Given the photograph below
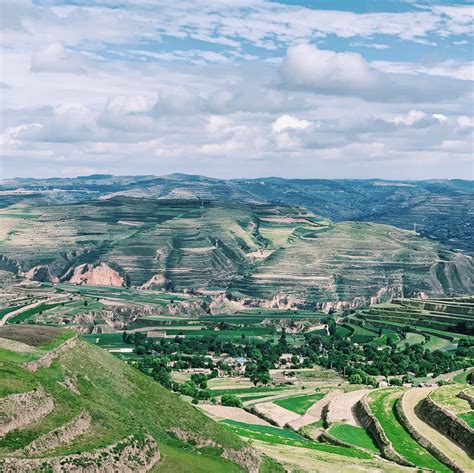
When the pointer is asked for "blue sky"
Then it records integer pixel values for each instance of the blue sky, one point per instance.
(237, 88)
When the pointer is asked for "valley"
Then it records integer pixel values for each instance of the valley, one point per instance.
(229, 334)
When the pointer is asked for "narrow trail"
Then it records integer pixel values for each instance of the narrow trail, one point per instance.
(409, 401)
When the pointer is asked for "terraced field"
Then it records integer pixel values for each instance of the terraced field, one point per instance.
(382, 405)
(354, 435)
(299, 404)
(440, 322)
(260, 251)
(448, 397)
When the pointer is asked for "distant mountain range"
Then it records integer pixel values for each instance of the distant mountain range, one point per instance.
(442, 210)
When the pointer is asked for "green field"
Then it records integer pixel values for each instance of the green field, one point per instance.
(299, 404)
(275, 435)
(28, 313)
(382, 404)
(353, 435)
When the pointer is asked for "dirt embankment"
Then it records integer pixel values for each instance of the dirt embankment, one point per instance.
(248, 458)
(19, 410)
(46, 360)
(371, 423)
(448, 424)
(131, 455)
(60, 436)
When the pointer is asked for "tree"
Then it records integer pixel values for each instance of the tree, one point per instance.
(231, 400)
(355, 378)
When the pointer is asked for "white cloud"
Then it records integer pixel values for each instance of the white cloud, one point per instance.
(412, 117)
(465, 121)
(56, 58)
(324, 71)
(12, 135)
(288, 122)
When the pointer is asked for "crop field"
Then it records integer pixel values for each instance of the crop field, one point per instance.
(382, 404)
(446, 319)
(299, 404)
(447, 397)
(354, 435)
(274, 435)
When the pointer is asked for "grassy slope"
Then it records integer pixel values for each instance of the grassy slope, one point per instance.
(382, 404)
(121, 401)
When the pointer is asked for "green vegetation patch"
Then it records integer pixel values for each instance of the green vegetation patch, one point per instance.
(277, 438)
(353, 435)
(382, 405)
(299, 404)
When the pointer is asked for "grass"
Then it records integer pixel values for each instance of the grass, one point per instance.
(299, 404)
(266, 429)
(462, 377)
(353, 435)
(382, 404)
(468, 417)
(275, 437)
(30, 312)
(121, 401)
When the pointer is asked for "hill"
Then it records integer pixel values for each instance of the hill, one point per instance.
(271, 254)
(66, 404)
(441, 209)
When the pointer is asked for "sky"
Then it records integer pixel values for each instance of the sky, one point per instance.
(237, 88)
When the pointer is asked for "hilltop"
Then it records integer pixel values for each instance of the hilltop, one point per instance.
(263, 254)
(65, 402)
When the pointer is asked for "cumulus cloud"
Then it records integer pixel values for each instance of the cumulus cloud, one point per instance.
(56, 58)
(324, 71)
(288, 122)
(412, 117)
(12, 135)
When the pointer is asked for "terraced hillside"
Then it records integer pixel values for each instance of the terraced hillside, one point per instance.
(441, 209)
(66, 404)
(284, 255)
(439, 321)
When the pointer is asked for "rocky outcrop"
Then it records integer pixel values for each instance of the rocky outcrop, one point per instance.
(448, 424)
(134, 454)
(248, 458)
(158, 281)
(371, 423)
(40, 273)
(46, 360)
(60, 436)
(19, 410)
(100, 275)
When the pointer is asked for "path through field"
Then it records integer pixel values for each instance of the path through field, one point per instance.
(409, 401)
(232, 413)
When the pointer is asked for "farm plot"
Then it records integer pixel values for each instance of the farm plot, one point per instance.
(409, 401)
(299, 404)
(275, 436)
(341, 407)
(232, 413)
(447, 397)
(354, 435)
(382, 405)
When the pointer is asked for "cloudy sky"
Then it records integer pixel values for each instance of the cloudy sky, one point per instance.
(237, 88)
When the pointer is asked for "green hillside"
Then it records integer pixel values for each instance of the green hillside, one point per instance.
(83, 407)
(254, 250)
